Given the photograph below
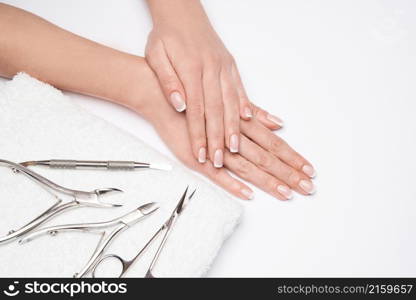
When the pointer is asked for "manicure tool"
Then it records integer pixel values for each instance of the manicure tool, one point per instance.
(121, 224)
(167, 227)
(79, 199)
(96, 164)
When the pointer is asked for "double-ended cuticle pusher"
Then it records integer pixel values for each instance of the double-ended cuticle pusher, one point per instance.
(96, 164)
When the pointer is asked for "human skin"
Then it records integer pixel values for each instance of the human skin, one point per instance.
(31, 44)
(197, 73)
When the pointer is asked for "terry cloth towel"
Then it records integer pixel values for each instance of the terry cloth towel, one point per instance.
(38, 122)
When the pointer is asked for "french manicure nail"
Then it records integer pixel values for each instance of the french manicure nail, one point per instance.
(218, 159)
(309, 170)
(247, 193)
(307, 186)
(234, 143)
(275, 120)
(285, 191)
(202, 155)
(248, 112)
(177, 101)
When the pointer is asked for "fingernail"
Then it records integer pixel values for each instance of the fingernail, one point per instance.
(275, 120)
(309, 170)
(234, 143)
(248, 194)
(218, 159)
(285, 191)
(177, 101)
(202, 155)
(307, 186)
(248, 112)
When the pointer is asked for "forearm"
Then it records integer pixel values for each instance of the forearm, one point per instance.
(33, 45)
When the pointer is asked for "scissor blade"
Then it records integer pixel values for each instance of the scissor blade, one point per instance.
(168, 227)
(184, 203)
(107, 191)
(189, 198)
(148, 208)
(181, 202)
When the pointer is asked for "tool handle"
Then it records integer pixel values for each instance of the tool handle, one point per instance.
(91, 164)
(62, 164)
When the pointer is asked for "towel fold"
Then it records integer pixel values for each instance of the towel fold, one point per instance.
(38, 122)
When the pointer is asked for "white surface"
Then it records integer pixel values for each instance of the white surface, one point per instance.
(341, 74)
(61, 129)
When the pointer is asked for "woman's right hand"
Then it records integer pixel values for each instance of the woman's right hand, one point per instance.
(198, 74)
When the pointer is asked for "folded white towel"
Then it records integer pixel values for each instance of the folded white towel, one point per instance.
(38, 122)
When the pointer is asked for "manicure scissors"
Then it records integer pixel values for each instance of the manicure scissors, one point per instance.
(78, 199)
(166, 227)
(120, 224)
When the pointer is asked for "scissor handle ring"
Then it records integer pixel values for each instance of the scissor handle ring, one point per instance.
(107, 257)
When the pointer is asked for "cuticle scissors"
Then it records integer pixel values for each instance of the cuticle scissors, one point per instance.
(167, 227)
(120, 223)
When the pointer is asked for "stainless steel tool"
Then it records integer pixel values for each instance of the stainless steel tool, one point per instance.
(96, 164)
(120, 224)
(78, 199)
(166, 228)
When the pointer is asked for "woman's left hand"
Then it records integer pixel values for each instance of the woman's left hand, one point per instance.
(265, 159)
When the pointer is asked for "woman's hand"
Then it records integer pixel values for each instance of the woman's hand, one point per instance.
(276, 169)
(197, 73)
(70, 62)
(264, 159)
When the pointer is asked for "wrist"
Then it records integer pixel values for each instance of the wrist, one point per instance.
(176, 12)
(139, 89)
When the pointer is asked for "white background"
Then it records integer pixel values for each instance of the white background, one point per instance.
(342, 75)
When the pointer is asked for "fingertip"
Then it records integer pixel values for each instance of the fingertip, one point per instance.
(240, 190)
(307, 186)
(275, 120)
(219, 158)
(234, 143)
(202, 155)
(177, 101)
(262, 118)
(246, 194)
(199, 150)
(246, 113)
(269, 121)
(269, 125)
(309, 170)
(284, 192)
